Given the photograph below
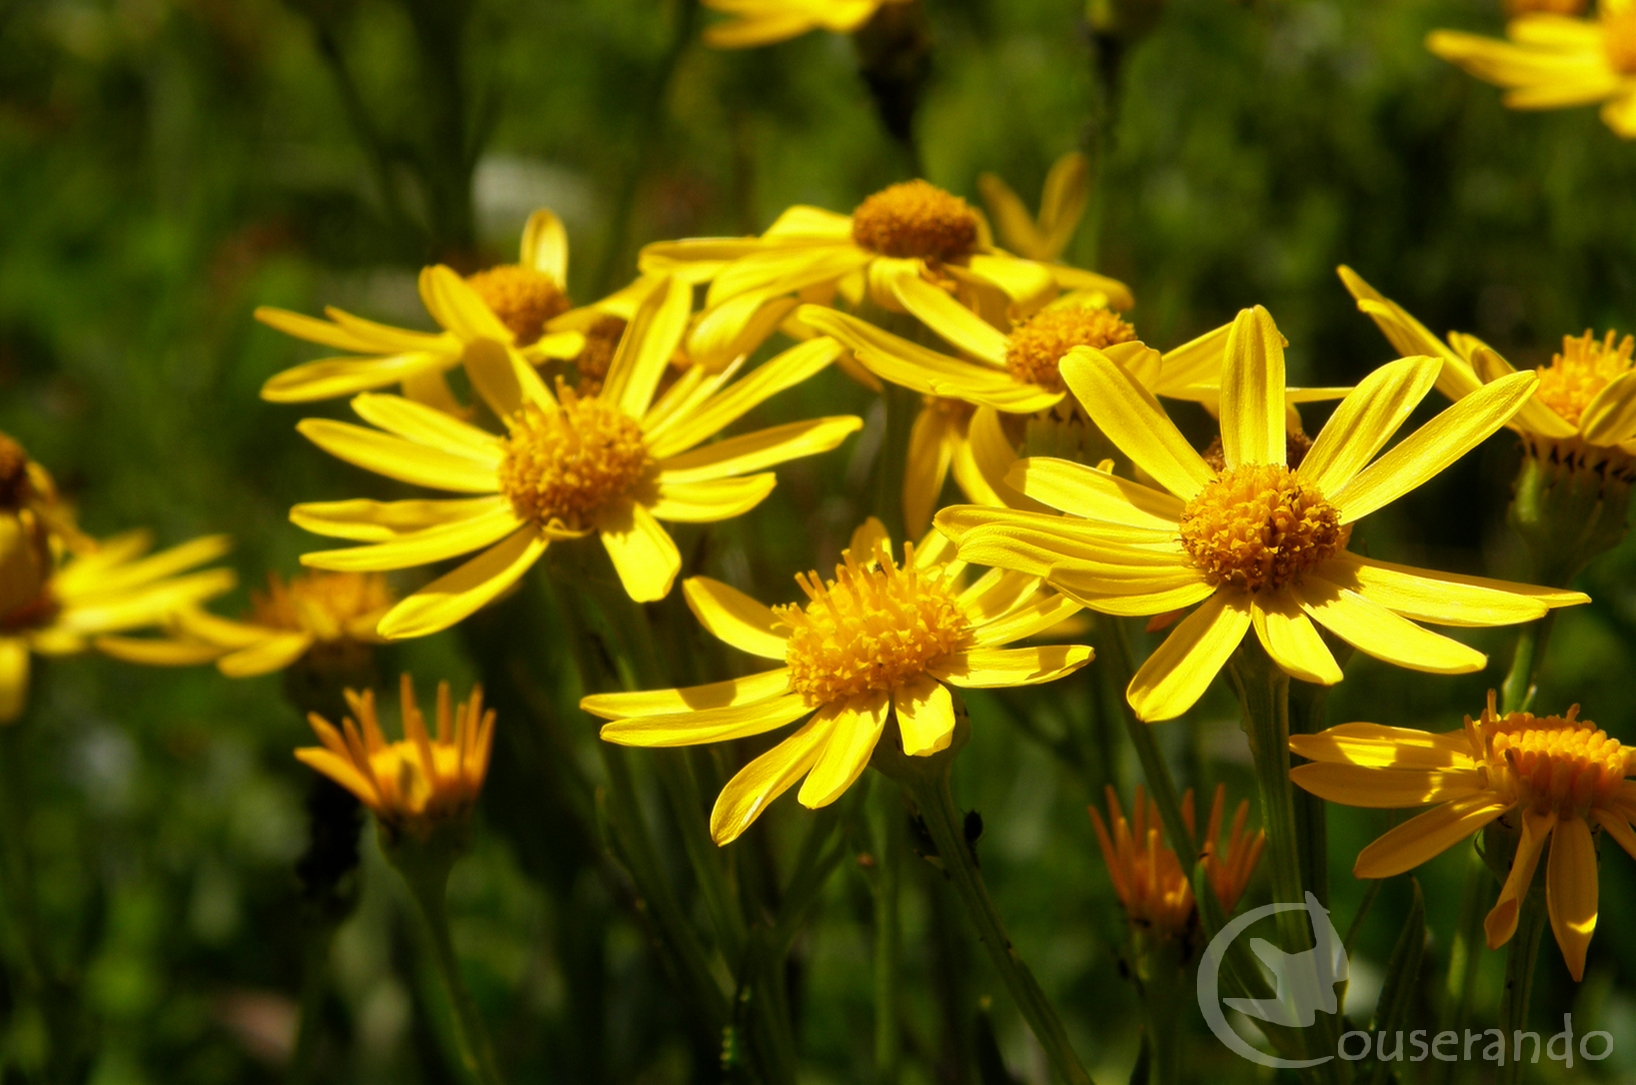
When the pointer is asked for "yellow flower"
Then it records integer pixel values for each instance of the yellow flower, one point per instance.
(1584, 407)
(421, 780)
(509, 304)
(913, 230)
(1260, 544)
(1550, 777)
(881, 638)
(1553, 61)
(327, 613)
(28, 493)
(763, 22)
(67, 606)
(1062, 205)
(613, 464)
(1157, 893)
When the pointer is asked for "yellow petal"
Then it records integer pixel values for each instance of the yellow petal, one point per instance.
(201, 625)
(1411, 337)
(708, 502)
(669, 702)
(1374, 746)
(1432, 447)
(1196, 363)
(87, 576)
(377, 521)
(759, 450)
(545, 246)
(146, 605)
(684, 430)
(1022, 281)
(1026, 621)
(397, 458)
(472, 586)
(1611, 416)
(1134, 421)
(1011, 218)
(644, 555)
(757, 784)
(961, 327)
(735, 618)
(1093, 593)
(342, 771)
(1618, 828)
(1365, 420)
(1252, 391)
(273, 654)
(1376, 631)
(432, 428)
(650, 341)
(1427, 835)
(1501, 922)
(1178, 672)
(432, 544)
(925, 714)
(1388, 789)
(1427, 596)
(1291, 641)
(996, 668)
(1094, 494)
(457, 307)
(926, 468)
(706, 724)
(158, 652)
(14, 667)
(856, 728)
(1062, 203)
(1533, 416)
(504, 379)
(331, 378)
(1570, 891)
(1074, 279)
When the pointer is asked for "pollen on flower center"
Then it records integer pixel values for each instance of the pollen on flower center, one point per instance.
(915, 219)
(522, 297)
(1619, 38)
(564, 466)
(1557, 764)
(1257, 526)
(1039, 343)
(320, 603)
(1585, 366)
(873, 627)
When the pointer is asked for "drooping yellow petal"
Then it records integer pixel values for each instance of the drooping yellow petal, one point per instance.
(363, 520)
(1290, 639)
(1374, 746)
(331, 378)
(1501, 921)
(1376, 631)
(857, 727)
(1570, 891)
(1178, 672)
(707, 502)
(997, 668)
(342, 771)
(1094, 494)
(423, 425)
(397, 458)
(1425, 836)
(645, 350)
(735, 618)
(1610, 418)
(273, 654)
(1134, 421)
(1026, 621)
(456, 306)
(1353, 785)
(757, 784)
(1093, 593)
(684, 430)
(926, 467)
(644, 555)
(759, 450)
(431, 544)
(1252, 391)
(1427, 596)
(1365, 420)
(668, 702)
(504, 379)
(698, 726)
(158, 652)
(462, 592)
(962, 328)
(925, 714)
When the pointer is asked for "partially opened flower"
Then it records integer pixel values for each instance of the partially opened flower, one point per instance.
(881, 640)
(421, 781)
(1062, 205)
(327, 615)
(1259, 544)
(913, 229)
(68, 605)
(509, 304)
(1553, 61)
(1551, 778)
(612, 465)
(763, 22)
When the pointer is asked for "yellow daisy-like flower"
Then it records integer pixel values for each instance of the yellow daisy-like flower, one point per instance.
(422, 780)
(65, 608)
(1157, 893)
(1553, 61)
(880, 639)
(1555, 778)
(1062, 205)
(332, 615)
(1584, 407)
(509, 304)
(28, 493)
(613, 464)
(763, 22)
(913, 230)
(1259, 544)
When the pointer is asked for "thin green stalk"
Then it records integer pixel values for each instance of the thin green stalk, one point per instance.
(1465, 951)
(926, 779)
(888, 962)
(314, 976)
(1159, 782)
(1522, 680)
(1521, 956)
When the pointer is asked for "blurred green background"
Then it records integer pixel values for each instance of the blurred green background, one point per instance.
(167, 165)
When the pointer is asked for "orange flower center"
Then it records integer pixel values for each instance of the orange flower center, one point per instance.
(1038, 343)
(873, 627)
(915, 219)
(522, 297)
(1554, 764)
(1257, 526)
(320, 603)
(1619, 39)
(1585, 367)
(563, 467)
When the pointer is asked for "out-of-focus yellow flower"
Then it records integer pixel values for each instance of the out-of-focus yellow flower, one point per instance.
(510, 305)
(1157, 893)
(327, 613)
(763, 22)
(1514, 8)
(63, 608)
(1062, 205)
(28, 493)
(613, 464)
(1553, 61)
(1553, 778)
(880, 639)
(419, 782)
(1258, 544)
(914, 230)
(1584, 404)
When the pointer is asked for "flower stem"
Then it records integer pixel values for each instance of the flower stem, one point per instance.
(926, 779)
(1520, 958)
(888, 938)
(1465, 951)
(1522, 681)
(1160, 785)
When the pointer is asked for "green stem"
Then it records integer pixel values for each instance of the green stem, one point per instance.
(314, 975)
(1521, 955)
(888, 939)
(1165, 991)
(1159, 782)
(926, 779)
(1522, 681)
(1465, 951)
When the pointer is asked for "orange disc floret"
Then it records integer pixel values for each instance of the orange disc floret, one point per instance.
(1552, 764)
(562, 467)
(1258, 526)
(873, 627)
(1585, 366)
(522, 297)
(1039, 343)
(915, 219)
(1619, 38)
(324, 604)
